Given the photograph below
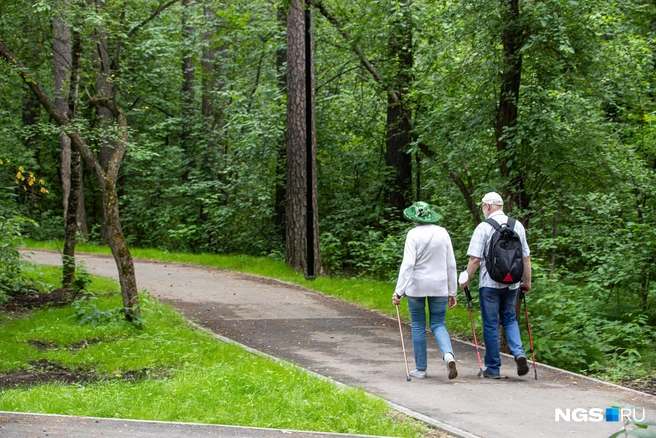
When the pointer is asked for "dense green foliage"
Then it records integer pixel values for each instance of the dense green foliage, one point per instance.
(202, 177)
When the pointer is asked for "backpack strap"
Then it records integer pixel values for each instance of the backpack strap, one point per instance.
(511, 223)
(495, 224)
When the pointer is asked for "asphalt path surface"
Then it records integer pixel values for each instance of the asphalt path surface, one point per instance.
(362, 348)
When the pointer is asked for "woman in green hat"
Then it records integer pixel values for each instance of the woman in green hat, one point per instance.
(428, 275)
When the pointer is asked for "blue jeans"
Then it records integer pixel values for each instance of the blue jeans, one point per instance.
(437, 315)
(498, 307)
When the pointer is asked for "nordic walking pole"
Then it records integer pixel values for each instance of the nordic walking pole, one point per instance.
(405, 357)
(463, 278)
(530, 337)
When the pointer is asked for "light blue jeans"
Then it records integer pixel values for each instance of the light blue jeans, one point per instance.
(498, 307)
(437, 315)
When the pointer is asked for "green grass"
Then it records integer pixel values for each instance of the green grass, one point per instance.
(193, 377)
(370, 294)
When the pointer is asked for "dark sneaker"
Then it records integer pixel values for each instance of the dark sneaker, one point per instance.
(491, 376)
(451, 369)
(522, 366)
(418, 374)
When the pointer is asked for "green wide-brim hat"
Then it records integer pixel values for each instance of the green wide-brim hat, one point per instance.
(422, 213)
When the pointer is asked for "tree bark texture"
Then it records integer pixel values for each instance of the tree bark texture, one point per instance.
(70, 240)
(106, 180)
(74, 170)
(296, 208)
(398, 127)
(512, 38)
(62, 63)
(104, 90)
(281, 162)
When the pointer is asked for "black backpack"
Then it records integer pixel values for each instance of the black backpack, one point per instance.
(504, 258)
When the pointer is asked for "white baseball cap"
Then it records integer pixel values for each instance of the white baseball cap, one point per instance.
(492, 198)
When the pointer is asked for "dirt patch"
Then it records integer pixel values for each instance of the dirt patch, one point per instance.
(43, 371)
(644, 384)
(34, 300)
(43, 346)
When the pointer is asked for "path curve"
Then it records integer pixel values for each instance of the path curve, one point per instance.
(362, 348)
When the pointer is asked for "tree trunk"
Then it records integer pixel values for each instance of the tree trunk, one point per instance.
(62, 61)
(104, 90)
(512, 38)
(68, 259)
(120, 250)
(281, 162)
(399, 130)
(296, 208)
(74, 171)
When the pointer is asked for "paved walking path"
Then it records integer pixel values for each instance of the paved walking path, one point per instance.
(362, 348)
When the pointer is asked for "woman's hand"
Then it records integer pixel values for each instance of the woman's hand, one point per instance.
(396, 300)
(452, 302)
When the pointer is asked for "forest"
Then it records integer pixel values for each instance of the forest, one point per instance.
(187, 117)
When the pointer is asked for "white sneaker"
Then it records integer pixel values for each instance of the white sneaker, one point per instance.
(450, 366)
(417, 374)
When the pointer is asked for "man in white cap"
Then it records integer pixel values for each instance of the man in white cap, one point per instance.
(497, 299)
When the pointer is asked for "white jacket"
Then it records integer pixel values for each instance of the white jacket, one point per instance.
(429, 265)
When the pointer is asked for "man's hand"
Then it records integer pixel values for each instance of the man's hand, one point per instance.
(525, 287)
(452, 302)
(396, 300)
(463, 280)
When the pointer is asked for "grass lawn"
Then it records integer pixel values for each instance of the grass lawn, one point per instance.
(171, 372)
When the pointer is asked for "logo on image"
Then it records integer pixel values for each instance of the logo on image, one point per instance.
(597, 414)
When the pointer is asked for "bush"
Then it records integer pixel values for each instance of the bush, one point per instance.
(11, 278)
(574, 329)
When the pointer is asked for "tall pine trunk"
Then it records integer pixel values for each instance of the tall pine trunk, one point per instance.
(281, 163)
(297, 159)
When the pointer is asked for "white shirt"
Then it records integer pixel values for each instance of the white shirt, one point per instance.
(429, 265)
(480, 241)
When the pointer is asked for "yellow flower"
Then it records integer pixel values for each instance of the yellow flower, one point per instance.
(8, 160)
(16, 181)
(21, 168)
(41, 182)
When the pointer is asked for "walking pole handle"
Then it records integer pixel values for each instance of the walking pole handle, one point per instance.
(463, 278)
(468, 295)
